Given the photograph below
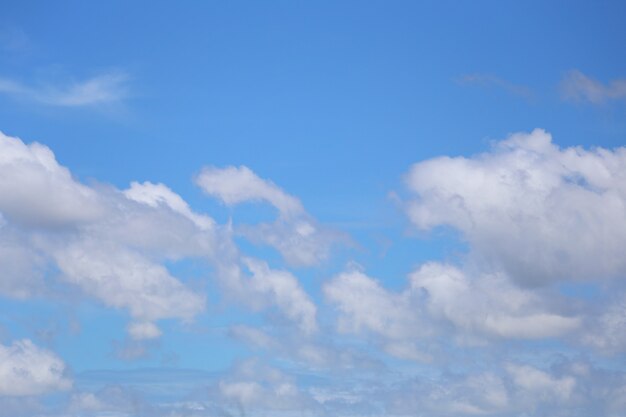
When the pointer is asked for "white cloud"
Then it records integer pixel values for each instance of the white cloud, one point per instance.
(487, 304)
(365, 305)
(235, 185)
(36, 191)
(284, 291)
(576, 86)
(158, 194)
(479, 308)
(112, 245)
(123, 279)
(26, 369)
(103, 242)
(295, 234)
(541, 213)
(143, 330)
(105, 88)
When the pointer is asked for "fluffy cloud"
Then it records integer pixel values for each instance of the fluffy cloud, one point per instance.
(124, 279)
(112, 244)
(519, 205)
(36, 191)
(365, 305)
(258, 286)
(108, 243)
(487, 304)
(235, 185)
(439, 296)
(285, 292)
(26, 369)
(295, 234)
(155, 195)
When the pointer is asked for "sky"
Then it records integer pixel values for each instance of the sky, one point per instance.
(289, 208)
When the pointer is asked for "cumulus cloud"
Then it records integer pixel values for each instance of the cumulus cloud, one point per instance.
(365, 305)
(440, 297)
(105, 88)
(260, 287)
(155, 195)
(113, 244)
(577, 86)
(519, 205)
(26, 369)
(295, 234)
(487, 304)
(37, 191)
(108, 243)
(235, 185)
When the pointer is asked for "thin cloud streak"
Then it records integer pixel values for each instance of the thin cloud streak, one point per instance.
(491, 81)
(578, 87)
(102, 89)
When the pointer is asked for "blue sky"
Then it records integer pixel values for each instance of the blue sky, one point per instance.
(312, 208)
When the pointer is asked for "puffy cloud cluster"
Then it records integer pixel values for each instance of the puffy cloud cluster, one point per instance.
(534, 216)
(113, 244)
(27, 370)
(517, 207)
(540, 213)
(98, 238)
(442, 300)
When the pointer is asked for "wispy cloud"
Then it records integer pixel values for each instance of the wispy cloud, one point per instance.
(13, 39)
(105, 88)
(491, 81)
(576, 86)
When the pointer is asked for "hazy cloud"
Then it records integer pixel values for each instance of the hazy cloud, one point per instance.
(577, 86)
(491, 81)
(105, 88)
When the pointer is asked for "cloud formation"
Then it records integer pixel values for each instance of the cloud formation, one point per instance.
(102, 89)
(295, 234)
(113, 244)
(453, 341)
(27, 370)
(578, 87)
(519, 205)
